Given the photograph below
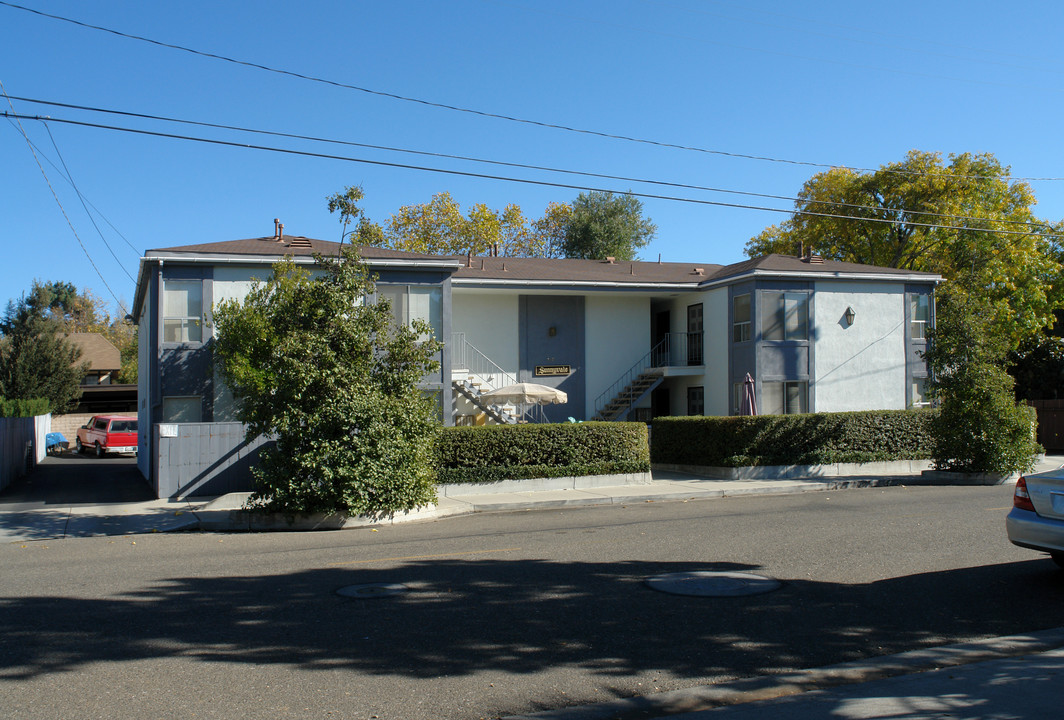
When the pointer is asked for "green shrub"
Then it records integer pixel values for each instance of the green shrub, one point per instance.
(24, 408)
(810, 439)
(515, 452)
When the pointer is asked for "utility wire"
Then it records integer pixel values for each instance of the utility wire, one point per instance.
(58, 201)
(85, 207)
(523, 166)
(541, 183)
(471, 111)
(58, 169)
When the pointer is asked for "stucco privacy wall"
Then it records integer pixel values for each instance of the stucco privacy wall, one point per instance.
(617, 331)
(859, 367)
(490, 321)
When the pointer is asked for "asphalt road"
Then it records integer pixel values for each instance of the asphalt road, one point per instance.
(506, 613)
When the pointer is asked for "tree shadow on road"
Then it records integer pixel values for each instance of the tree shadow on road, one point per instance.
(462, 616)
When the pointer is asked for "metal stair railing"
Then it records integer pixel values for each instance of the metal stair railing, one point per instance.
(497, 413)
(466, 357)
(672, 351)
(479, 371)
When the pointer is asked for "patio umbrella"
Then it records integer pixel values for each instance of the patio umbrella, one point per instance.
(526, 394)
(749, 405)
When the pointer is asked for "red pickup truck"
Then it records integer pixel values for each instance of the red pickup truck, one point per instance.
(108, 433)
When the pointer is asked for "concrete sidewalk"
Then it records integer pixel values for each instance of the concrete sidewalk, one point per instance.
(32, 521)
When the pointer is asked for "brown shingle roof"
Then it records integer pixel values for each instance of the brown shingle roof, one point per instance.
(590, 271)
(295, 245)
(531, 271)
(96, 350)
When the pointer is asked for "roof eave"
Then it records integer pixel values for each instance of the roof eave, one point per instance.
(825, 275)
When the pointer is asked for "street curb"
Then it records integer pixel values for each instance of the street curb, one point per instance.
(707, 697)
(220, 515)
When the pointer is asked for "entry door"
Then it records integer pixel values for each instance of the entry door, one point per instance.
(694, 334)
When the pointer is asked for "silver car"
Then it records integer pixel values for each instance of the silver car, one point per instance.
(1036, 520)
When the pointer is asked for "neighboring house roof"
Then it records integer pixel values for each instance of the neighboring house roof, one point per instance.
(543, 273)
(97, 351)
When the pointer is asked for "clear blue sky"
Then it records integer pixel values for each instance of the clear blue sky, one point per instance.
(834, 83)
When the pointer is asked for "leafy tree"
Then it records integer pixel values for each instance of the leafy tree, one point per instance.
(35, 359)
(366, 232)
(84, 312)
(921, 214)
(979, 426)
(336, 383)
(440, 227)
(602, 225)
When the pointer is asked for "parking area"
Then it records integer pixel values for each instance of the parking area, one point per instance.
(72, 479)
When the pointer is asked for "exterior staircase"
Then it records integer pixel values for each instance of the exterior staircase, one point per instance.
(673, 351)
(618, 407)
(471, 392)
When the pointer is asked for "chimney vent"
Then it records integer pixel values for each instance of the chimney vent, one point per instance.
(280, 232)
(698, 271)
(276, 232)
(610, 259)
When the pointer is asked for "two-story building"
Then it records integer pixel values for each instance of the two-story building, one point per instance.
(624, 340)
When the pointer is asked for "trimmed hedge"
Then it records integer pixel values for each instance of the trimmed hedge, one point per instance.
(810, 439)
(24, 408)
(490, 453)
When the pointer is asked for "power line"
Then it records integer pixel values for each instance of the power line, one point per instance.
(471, 111)
(69, 182)
(523, 166)
(503, 178)
(59, 202)
(84, 205)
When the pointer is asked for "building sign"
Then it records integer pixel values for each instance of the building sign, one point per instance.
(552, 370)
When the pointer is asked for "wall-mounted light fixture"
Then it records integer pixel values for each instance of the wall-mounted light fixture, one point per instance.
(552, 331)
(850, 316)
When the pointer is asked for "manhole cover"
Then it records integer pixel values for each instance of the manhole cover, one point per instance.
(372, 590)
(713, 584)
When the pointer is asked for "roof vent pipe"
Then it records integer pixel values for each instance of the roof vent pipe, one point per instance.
(280, 232)
(276, 222)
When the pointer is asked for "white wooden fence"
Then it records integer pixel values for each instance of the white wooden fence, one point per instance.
(21, 446)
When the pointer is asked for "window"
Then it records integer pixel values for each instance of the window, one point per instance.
(785, 316)
(741, 318)
(696, 401)
(783, 398)
(919, 316)
(414, 302)
(182, 311)
(182, 409)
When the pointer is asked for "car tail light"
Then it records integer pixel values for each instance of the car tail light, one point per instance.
(1021, 498)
